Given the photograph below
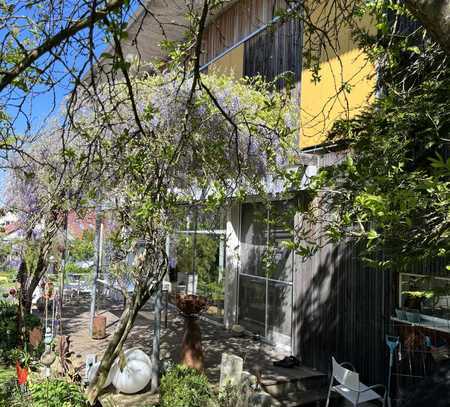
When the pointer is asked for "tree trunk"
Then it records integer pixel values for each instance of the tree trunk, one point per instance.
(25, 294)
(115, 345)
(435, 17)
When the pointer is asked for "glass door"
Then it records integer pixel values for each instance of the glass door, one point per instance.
(265, 279)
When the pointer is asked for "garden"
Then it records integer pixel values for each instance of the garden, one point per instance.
(193, 200)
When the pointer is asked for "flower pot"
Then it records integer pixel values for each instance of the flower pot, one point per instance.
(190, 307)
(22, 374)
(99, 327)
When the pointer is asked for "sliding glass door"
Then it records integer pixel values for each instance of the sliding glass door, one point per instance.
(265, 279)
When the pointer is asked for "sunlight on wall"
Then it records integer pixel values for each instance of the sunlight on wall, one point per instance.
(231, 63)
(327, 100)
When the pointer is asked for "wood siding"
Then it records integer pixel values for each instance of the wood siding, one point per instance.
(275, 51)
(236, 22)
(343, 309)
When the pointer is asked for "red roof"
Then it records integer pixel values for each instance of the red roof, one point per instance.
(11, 228)
(77, 225)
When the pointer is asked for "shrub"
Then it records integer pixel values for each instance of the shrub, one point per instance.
(182, 386)
(57, 393)
(8, 327)
(51, 393)
(10, 395)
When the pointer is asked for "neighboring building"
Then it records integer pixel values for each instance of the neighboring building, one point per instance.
(330, 304)
(10, 227)
(77, 226)
(12, 232)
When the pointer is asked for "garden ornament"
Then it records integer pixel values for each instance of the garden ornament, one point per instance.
(131, 372)
(47, 359)
(392, 343)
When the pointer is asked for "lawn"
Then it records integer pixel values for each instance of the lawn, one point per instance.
(6, 280)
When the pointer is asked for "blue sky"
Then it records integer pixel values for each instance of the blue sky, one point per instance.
(43, 104)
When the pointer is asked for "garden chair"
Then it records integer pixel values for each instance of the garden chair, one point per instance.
(350, 387)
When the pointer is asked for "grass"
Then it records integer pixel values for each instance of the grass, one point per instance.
(6, 280)
(6, 374)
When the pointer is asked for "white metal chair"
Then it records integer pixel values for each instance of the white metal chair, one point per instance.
(350, 387)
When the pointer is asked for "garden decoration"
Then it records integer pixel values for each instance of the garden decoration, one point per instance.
(47, 359)
(99, 327)
(131, 372)
(35, 337)
(22, 376)
(190, 307)
(23, 360)
(392, 343)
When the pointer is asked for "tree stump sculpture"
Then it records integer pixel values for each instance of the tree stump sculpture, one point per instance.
(190, 307)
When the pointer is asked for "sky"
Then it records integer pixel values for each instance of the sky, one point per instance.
(44, 105)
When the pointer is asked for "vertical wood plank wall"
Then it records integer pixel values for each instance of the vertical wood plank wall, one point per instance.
(236, 22)
(275, 51)
(343, 309)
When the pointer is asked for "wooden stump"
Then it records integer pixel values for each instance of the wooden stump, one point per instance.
(191, 348)
(99, 327)
(35, 337)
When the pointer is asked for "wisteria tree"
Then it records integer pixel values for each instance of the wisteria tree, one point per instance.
(38, 192)
(47, 46)
(202, 140)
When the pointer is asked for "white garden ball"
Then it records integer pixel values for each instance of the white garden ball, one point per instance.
(136, 374)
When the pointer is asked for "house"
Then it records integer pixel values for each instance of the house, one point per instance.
(330, 303)
(78, 225)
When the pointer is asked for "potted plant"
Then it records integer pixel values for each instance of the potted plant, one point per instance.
(23, 362)
(190, 307)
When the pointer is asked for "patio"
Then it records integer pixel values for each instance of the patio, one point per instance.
(257, 356)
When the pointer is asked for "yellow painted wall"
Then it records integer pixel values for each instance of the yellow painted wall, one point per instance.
(321, 103)
(232, 63)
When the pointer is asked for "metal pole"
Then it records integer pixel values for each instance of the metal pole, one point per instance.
(194, 251)
(156, 341)
(98, 254)
(63, 272)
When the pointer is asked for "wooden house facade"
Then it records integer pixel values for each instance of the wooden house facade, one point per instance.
(331, 303)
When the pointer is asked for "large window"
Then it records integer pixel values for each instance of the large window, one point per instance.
(427, 295)
(265, 281)
(197, 258)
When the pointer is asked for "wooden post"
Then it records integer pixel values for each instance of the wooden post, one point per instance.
(98, 263)
(63, 272)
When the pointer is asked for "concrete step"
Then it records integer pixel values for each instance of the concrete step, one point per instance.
(291, 381)
(281, 387)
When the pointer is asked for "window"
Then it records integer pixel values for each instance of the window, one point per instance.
(425, 294)
(197, 257)
(265, 281)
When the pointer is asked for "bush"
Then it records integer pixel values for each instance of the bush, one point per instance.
(10, 394)
(57, 393)
(182, 386)
(51, 393)
(8, 328)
